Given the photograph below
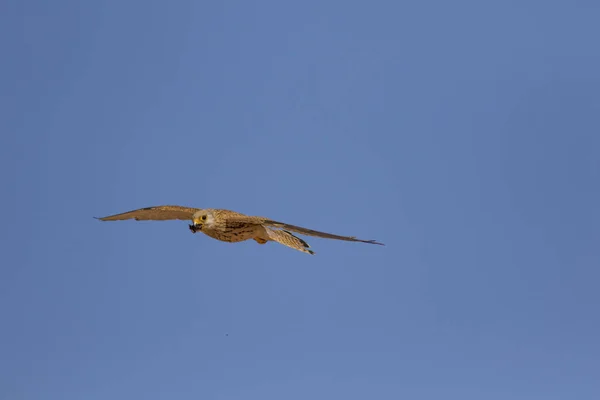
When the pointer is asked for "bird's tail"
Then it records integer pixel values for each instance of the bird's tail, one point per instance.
(287, 239)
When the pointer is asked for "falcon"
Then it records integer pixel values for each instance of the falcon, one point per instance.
(230, 226)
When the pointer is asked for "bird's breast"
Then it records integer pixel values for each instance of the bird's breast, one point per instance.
(231, 235)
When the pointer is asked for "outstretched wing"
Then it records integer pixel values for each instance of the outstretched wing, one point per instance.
(158, 213)
(310, 232)
(236, 220)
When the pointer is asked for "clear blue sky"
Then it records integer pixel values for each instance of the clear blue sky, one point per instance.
(464, 135)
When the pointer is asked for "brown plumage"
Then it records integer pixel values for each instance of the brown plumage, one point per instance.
(288, 239)
(231, 226)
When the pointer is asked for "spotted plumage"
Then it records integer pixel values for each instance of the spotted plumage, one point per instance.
(231, 226)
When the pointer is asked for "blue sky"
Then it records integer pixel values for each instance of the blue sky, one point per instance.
(464, 135)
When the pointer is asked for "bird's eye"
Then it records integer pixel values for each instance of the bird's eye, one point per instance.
(204, 218)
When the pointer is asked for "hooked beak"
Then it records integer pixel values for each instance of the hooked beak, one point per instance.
(195, 226)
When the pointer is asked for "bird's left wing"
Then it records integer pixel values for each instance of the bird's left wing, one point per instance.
(157, 213)
(235, 220)
(310, 232)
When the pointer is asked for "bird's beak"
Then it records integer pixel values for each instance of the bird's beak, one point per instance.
(196, 225)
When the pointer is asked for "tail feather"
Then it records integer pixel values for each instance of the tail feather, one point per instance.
(287, 239)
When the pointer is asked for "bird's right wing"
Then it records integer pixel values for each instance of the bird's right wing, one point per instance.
(158, 213)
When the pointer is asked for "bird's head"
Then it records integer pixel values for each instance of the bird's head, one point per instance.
(200, 219)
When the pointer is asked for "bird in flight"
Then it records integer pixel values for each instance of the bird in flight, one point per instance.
(231, 226)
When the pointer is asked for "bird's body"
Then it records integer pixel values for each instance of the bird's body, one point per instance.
(230, 226)
(225, 225)
(232, 235)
